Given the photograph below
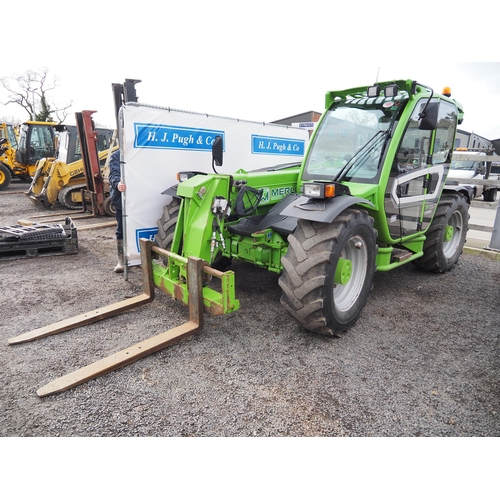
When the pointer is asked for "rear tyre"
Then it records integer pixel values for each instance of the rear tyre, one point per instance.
(446, 235)
(328, 271)
(5, 177)
(490, 195)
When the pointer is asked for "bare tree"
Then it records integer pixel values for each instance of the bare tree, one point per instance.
(365, 120)
(9, 119)
(30, 91)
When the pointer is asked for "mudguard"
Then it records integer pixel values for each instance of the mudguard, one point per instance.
(320, 210)
(465, 190)
(172, 191)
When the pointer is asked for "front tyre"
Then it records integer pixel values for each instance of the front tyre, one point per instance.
(446, 235)
(166, 229)
(5, 177)
(328, 271)
(166, 225)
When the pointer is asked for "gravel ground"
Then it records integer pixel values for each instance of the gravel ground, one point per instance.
(423, 359)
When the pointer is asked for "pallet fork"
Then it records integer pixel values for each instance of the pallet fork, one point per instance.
(186, 285)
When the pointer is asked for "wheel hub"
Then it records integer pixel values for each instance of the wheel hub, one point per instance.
(343, 272)
(448, 233)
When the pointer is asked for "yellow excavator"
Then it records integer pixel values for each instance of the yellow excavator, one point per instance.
(61, 178)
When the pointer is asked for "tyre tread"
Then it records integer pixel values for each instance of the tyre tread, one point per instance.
(304, 277)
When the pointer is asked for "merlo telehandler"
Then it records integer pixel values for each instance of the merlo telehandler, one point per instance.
(370, 195)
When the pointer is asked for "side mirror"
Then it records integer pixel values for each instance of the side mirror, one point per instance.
(217, 153)
(429, 117)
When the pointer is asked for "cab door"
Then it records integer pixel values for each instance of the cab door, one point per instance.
(419, 171)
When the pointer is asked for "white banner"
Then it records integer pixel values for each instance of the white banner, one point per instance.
(159, 142)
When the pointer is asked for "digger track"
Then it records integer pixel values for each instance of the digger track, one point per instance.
(64, 197)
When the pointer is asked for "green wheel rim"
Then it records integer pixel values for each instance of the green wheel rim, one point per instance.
(448, 233)
(453, 234)
(350, 274)
(343, 272)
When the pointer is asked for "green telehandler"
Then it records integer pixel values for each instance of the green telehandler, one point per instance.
(370, 195)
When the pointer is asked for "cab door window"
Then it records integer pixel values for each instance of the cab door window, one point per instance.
(41, 143)
(445, 133)
(12, 136)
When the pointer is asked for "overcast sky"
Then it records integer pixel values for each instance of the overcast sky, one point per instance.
(259, 60)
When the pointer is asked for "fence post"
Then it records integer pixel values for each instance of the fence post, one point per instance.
(495, 236)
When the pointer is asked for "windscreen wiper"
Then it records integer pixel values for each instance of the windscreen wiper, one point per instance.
(365, 149)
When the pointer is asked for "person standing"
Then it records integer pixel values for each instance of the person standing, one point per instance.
(117, 187)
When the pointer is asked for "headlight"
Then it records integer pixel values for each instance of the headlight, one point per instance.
(324, 190)
(313, 190)
(184, 176)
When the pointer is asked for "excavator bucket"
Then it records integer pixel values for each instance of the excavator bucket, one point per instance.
(188, 286)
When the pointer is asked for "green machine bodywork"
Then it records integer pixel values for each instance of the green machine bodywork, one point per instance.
(370, 194)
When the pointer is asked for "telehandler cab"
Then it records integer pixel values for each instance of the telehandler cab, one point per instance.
(370, 194)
